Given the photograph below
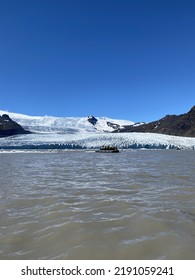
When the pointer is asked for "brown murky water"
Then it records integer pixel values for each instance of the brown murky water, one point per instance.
(84, 205)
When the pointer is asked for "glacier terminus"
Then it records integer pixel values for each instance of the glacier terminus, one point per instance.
(90, 132)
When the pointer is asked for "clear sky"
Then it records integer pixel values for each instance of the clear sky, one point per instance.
(125, 59)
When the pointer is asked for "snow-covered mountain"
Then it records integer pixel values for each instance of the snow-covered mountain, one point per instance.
(66, 133)
(66, 125)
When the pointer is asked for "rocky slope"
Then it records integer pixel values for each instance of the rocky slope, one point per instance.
(178, 125)
(8, 127)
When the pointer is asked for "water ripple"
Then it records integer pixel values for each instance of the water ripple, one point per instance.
(78, 205)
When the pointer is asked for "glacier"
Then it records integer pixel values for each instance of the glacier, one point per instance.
(78, 133)
(64, 124)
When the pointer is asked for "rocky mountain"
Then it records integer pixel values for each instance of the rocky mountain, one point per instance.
(178, 125)
(8, 127)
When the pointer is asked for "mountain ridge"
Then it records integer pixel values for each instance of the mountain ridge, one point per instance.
(65, 125)
(177, 125)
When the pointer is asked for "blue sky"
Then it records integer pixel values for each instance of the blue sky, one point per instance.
(125, 59)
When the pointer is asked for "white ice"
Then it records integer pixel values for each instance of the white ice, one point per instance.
(74, 132)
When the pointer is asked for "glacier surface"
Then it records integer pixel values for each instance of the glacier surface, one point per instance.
(78, 133)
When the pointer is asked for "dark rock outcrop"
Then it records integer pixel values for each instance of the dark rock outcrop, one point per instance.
(178, 125)
(92, 120)
(8, 127)
(113, 125)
